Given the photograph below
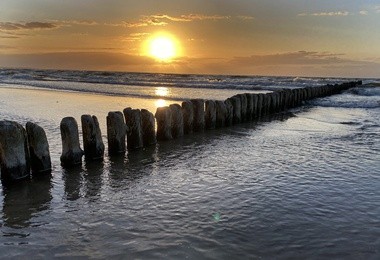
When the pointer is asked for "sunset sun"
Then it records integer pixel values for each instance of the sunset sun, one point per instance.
(163, 47)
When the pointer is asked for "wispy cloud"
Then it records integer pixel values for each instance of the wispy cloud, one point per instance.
(134, 37)
(9, 36)
(6, 47)
(336, 13)
(245, 17)
(164, 19)
(11, 26)
(363, 12)
(291, 58)
(77, 22)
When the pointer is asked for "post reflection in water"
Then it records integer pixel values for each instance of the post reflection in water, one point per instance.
(23, 200)
(83, 181)
(93, 179)
(131, 167)
(73, 181)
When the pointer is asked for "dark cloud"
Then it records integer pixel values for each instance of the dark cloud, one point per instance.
(10, 26)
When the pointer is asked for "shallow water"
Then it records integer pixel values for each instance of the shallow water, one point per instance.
(302, 184)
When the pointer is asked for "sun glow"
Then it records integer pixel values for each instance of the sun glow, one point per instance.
(160, 103)
(162, 47)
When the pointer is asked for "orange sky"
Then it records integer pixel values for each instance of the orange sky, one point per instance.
(290, 37)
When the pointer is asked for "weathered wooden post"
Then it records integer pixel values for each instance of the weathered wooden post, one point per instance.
(164, 123)
(210, 114)
(292, 98)
(134, 128)
(236, 103)
(264, 109)
(260, 99)
(229, 112)
(148, 128)
(309, 93)
(71, 151)
(40, 160)
(255, 110)
(244, 105)
(249, 106)
(116, 131)
(221, 113)
(14, 156)
(177, 120)
(199, 115)
(188, 116)
(276, 101)
(270, 105)
(279, 101)
(92, 138)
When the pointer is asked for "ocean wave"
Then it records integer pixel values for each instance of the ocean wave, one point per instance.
(368, 90)
(17, 76)
(368, 104)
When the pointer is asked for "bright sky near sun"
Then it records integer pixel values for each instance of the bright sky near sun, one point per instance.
(271, 37)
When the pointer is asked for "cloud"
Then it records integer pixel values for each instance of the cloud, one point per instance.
(10, 26)
(290, 58)
(337, 13)
(301, 63)
(245, 17)
(75, 60)
(9, 36)
(306, 63)
(133, 37)
(77, 22)
(363, 12)
(145, 21)
(164, 19)
(6, 47)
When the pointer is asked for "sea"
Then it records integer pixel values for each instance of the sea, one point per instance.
(300, 184)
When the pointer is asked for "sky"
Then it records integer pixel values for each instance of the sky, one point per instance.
(339, 38)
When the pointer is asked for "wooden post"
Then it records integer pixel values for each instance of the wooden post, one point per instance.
(244, 105)
(134, 128)
(188, 116)
(229, 112)
(210, 114)
(14, 156)
(116, 131)
(164, 123)
(71, 151)
(148, 128)
(221, 113)
(199, 115)
(236, 103)
(260, 99)
(177, 120)
(40, 160)
(249, 106)
(92, 138)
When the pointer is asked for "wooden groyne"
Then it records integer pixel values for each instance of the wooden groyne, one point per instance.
(23, 151)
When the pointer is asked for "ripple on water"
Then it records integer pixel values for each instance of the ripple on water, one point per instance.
(302, 187)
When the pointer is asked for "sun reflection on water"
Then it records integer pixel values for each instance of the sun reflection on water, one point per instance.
(162, 91)
(160, 103)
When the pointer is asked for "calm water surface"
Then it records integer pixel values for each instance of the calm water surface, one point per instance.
(303, 184)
